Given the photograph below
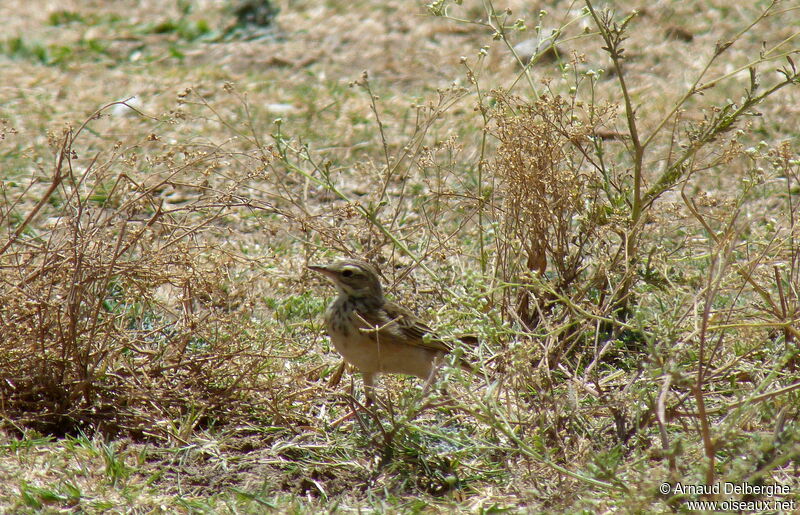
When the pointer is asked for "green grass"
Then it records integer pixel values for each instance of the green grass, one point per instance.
(163, 344)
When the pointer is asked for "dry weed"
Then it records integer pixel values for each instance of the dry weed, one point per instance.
(118, 313)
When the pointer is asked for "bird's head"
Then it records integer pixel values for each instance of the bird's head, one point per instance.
(352, 277)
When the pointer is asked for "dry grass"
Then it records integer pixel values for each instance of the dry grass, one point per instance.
(621, 233)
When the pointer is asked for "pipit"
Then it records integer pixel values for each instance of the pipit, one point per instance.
(375, 335)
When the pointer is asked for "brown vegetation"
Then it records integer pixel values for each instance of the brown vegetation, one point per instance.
(615, 218)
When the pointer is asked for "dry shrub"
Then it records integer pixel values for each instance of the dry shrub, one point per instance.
(118, 314)
(554, 203)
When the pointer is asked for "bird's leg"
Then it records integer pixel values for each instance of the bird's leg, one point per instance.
(337, 375)
(369, 393)
(437, 362)
(369, 387)
(432, 375)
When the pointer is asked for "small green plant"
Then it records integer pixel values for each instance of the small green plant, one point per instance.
(116, 470)
(52, 54)
(606, 197)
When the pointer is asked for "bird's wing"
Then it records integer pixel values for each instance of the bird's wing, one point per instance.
(396, 324)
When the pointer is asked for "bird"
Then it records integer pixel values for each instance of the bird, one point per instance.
(375, 335)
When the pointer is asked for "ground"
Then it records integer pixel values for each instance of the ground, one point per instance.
(613, 217)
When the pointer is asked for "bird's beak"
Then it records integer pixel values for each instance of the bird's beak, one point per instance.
(321, 269)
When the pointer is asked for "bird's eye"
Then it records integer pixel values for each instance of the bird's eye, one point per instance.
(347, 273)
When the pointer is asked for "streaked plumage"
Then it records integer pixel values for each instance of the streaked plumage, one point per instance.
(373, 334)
